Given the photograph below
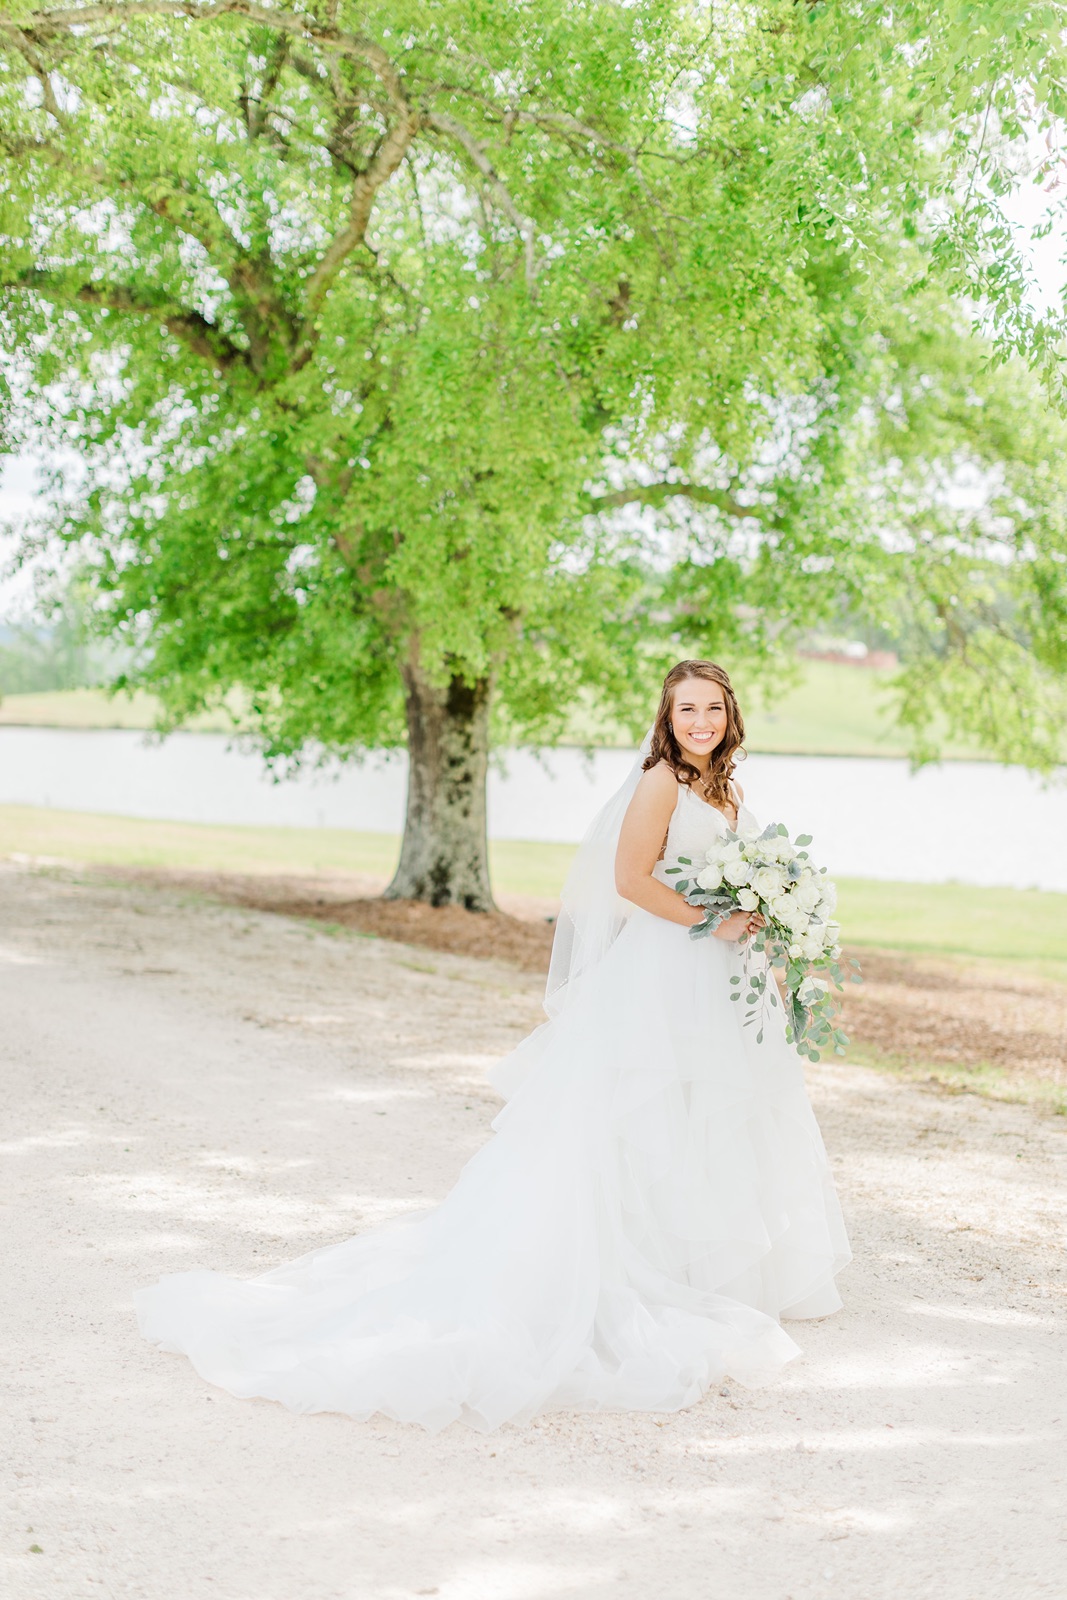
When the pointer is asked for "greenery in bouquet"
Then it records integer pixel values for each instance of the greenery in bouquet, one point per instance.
(772, 876)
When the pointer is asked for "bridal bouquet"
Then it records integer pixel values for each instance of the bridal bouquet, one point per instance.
(770, 874)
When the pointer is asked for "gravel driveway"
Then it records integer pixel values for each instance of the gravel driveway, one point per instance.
(188, 1084)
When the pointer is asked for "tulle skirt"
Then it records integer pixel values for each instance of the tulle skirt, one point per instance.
(654, 1199)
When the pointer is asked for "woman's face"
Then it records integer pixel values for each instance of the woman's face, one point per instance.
(699, 717)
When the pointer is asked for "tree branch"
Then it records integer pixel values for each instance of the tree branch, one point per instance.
(386, 159)
(656, 494)
(480, 157)
(358, 46)
(257, 108)
(202, 337)
(26, 50)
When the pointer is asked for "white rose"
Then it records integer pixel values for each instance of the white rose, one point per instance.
(736, 872)
(811, 945)
(806, 896)
(768, 882)
(796, 918)
(748, 900)
(810, 990)
(731, 851)
(710, 878)
(795, 950)
(780, 908)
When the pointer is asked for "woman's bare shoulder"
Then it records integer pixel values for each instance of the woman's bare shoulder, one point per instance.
(660, 779)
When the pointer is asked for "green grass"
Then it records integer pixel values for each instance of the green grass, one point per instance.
(92, 708)
(138, 842)
(955, 919)
(837, 710)
(981, 1078)
(517, 867)
(1023, 925)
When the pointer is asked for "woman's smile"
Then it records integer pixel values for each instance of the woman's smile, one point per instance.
(699, 717)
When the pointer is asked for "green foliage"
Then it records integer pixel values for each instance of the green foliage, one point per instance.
(540, 342)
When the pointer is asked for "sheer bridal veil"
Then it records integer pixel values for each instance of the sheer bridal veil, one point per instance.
(592, 912)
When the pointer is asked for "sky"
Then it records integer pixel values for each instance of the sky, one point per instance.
(1027, 207)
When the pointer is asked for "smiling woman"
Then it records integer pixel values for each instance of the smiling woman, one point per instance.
(657, 1197)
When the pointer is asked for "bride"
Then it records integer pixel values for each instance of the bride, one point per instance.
(656, 1197)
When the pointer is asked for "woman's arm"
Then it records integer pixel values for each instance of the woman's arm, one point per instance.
(644, 829)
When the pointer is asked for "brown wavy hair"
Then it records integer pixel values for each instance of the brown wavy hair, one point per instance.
(665, 747)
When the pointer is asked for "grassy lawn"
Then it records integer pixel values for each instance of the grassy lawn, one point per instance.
(90, 708)
(837, 710)
(956, 919)
(1025, 925)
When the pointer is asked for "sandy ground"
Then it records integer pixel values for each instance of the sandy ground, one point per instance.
(974, 1021)
(187, 1083)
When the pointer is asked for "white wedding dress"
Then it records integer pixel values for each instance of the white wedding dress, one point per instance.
(655, 1197)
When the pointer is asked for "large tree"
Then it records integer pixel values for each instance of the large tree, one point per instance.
(437, 362)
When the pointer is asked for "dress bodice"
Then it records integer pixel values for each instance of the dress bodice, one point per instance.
(694, 825)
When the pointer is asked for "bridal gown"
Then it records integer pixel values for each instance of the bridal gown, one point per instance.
(654, 1199)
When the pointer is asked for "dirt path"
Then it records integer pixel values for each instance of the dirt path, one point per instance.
(192, 1084)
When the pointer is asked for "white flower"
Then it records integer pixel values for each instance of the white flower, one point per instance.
(736, 872)
(748, 900)
(731, 851)
(811, 945)
(812, 989)
(795, 950)
(710, 878)
(796, 918)
(768, 882)
(828, 895)
(780, 907)
(806, 895)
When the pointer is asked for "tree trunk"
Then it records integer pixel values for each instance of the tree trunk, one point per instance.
(444, 858)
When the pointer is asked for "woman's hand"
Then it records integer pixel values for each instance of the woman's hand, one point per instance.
(738, 925)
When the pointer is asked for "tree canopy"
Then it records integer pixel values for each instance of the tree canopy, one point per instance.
(435, 359)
